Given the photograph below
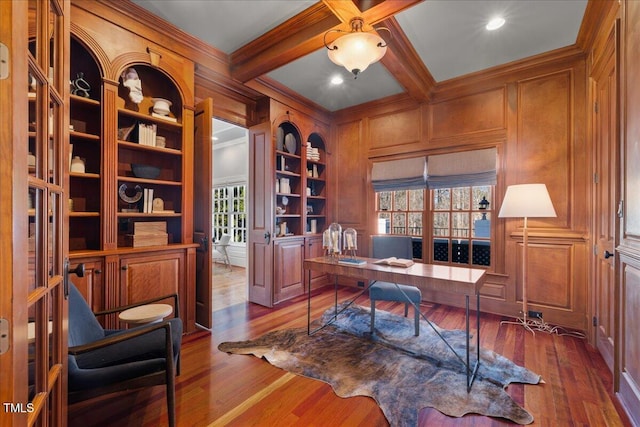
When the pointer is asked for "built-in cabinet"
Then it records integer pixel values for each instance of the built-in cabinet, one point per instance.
(130, 175)
(300, 206)
(290, 203)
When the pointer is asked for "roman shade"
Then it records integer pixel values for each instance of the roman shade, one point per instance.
(403, 174)
(467, 168)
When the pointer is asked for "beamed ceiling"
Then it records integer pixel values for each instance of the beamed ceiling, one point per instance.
(432, 41)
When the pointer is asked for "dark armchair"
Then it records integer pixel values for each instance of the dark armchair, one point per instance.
(399, 247)
(106, 361)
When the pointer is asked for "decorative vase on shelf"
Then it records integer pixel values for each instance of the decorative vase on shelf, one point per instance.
(280, 139)
(77, 165)
(290, 143)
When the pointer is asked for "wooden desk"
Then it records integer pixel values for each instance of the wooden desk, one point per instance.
(459, 280)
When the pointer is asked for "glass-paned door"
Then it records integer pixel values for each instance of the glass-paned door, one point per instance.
(39, 339)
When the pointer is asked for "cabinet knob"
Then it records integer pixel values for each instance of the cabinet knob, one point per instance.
(607, 254)
(97, 272)
(124, 267)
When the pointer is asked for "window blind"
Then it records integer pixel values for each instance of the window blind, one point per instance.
(403, 174)
(464, 169)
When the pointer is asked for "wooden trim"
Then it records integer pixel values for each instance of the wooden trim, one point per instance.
(404, 63)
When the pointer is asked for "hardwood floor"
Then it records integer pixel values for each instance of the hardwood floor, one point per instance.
(216, 389)
(229, 286)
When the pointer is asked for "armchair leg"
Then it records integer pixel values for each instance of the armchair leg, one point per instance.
(416, 313)
(171, 396)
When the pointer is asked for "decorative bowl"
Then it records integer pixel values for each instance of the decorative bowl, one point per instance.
(161, 106)
(145, 171)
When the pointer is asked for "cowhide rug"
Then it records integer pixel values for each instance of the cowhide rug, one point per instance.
(403, 373)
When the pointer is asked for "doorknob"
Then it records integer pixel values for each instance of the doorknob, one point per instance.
(267, 237)
(78, 271)
(607, 254)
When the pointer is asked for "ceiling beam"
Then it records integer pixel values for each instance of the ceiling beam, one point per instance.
(304, 34)
(404, 63)
(289, 41)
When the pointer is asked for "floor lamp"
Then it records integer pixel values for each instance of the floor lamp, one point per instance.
(527, 201)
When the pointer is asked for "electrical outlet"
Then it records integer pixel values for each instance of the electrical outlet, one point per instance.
(535, 314)
(360, 284)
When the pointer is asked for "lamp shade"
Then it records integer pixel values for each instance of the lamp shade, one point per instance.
(527, 200)
(356, 51)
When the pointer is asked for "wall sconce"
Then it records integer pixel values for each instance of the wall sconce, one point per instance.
(358, 49)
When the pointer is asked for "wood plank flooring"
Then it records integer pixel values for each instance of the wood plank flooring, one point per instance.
(229, 286)
(217, 389)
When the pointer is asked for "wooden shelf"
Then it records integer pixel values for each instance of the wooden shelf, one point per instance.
(84, 175)
(141, 147)
(148, 215)
(150, 118)
(83, 100)
(133, 179)
(85, 136)
(84, 214)
(287, 154)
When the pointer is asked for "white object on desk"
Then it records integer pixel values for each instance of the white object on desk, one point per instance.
(148, 313)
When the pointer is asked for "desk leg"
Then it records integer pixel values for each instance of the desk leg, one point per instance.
(335, 294)
(309, 304)
(477, 329)
(466, 317)
(471, 373)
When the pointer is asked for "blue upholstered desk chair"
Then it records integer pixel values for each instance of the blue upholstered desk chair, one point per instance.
(399, 247)
(105, 361)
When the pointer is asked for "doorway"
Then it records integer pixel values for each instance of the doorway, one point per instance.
(230, 192)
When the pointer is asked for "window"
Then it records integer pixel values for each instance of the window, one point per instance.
(461, 232)
(400, 212)
(229, 213)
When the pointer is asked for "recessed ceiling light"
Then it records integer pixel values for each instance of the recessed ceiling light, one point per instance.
(337, 80)
(495, 23)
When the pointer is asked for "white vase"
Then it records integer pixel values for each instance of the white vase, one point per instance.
(77, 165)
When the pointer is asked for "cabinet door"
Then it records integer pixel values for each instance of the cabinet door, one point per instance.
(313, 249)
(91, 286)
(145, 277)
(288, 274)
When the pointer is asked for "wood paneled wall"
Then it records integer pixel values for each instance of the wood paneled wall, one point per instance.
(627, 364)
(536, 118)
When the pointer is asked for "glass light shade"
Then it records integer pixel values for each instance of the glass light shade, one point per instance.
(356, 51)
(350, 240)
(527, 200)
(335, 238)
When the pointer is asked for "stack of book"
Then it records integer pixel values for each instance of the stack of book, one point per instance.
(147, 134)
(312, 153)
(147, 200)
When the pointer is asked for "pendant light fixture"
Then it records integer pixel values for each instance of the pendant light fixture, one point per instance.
(357, 49)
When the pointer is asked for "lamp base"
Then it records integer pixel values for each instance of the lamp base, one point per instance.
(540, 325)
